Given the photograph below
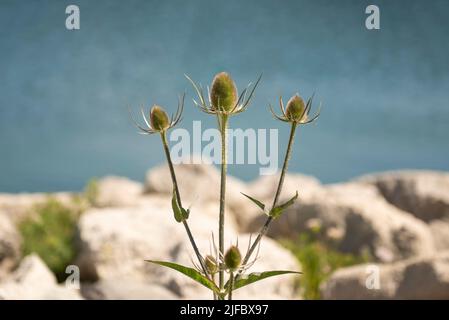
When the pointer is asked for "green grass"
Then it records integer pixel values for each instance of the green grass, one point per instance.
(50, 229)
(318, 261)
(50, 233)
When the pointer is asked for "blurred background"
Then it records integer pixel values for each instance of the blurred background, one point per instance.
(63, 93)
(64, 126)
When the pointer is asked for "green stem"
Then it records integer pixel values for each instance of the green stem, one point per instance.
(285, 165)
(231, 284)
(178, 198)
(223, 123)
(213, 280)
(264, 228)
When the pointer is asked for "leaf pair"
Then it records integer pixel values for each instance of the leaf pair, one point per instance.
(179, 212)
(239, 282)
(276, 211)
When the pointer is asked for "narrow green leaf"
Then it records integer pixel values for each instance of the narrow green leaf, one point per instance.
(257, 202)
(257, 276)
(189, 272)
(277, 211)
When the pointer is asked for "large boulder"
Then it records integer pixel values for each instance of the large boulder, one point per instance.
(10, 241)
(21, 205)
(114, 242)
(416, 278)
(125, 289)
(208, 209)
(115, 191)
(355, 218)
(425, 194)
(199, 183)
(440, 234)
(33, 280)
(264, 189)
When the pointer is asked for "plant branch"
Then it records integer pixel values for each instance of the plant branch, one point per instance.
(213, 280)
(264, 228)
(223, 123)
(178, 197)
(231, 284)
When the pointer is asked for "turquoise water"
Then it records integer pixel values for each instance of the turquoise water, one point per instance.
(62, 94)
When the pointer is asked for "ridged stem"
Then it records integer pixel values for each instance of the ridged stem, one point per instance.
(178, 198)
(231, 284)
(223, 123)
(213, 280)
(264, 228)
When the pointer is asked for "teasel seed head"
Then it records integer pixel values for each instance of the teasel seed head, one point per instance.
(211, 265)
(233, 258)
(159, 118)
(223, 99)
(223, 92)
(295, 109)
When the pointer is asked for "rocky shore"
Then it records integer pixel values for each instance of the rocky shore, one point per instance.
(401, 219)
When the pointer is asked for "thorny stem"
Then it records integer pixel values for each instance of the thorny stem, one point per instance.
(178, 198)
(264, 228)
(223, 123)
(231, 284)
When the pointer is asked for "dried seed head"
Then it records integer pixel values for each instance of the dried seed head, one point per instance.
(233, 258)
(211, 265)
(159, 118)
(223, 93)
(295, 109)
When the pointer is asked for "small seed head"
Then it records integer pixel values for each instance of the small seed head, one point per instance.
(159, 118)
(295, 109)
(211, 265)
(223, 93)
(233, 258)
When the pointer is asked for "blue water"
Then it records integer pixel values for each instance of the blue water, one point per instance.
(62, 93)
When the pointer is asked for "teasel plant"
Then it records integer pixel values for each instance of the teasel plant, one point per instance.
(223, 102)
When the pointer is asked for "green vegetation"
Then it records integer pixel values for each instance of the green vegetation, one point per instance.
(318, 261)
(91, 191)
(50, 229)
(50, 232)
